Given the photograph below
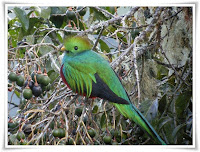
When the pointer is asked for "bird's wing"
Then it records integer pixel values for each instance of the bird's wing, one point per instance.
(79, 76)
(79, 80)
(92, 76)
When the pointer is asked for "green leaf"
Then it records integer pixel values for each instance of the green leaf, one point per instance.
(167, 126)
(103, 120)
(149, 109)
(63, 9)
(48, 65)
(177, 129)
(59, 37)
(52, 75)
(34, 23)
(111, 9)
(97, 14)
(95, 109)
(21, 53)
(21, 34)
(17, 93)
(13, 36)
(45, 12)
(36, 9)
(162, 71)
(104, 46)
(171, 81)
(23, 18)
(58, 10)
(57, 20)
(181, 103)
(45, 49)
(152, 110)
(112, 29)
(162, 104)
(13, 139)
(30, 39)
(164, 121)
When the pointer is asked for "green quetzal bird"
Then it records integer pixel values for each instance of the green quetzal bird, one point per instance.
(88, 73)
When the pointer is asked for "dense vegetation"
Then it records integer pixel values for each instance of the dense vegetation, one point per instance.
(150, 49)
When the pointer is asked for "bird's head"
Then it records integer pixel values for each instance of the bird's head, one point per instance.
(76, 44)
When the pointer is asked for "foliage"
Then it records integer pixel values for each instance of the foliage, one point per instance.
(148, 48)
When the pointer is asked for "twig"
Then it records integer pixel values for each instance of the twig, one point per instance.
(45, 128)
(136, 73)
(64, 30)
(146, 141)
(111, 21)
(66, 123)
(116, 62)
(40, 122)
(80, 119)
(174, 94)
(66, 94)
(141, 37)
(168, 65)
(35, 45)
(57, 69)
(70, 101)
(46, 35)
(162, 51)
(104, 108)
(113, 112)
(132, 28)
(81, 137)
(99, 36)
(173, 15)
(87, 132)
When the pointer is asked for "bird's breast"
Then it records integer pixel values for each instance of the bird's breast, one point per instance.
(62, 76)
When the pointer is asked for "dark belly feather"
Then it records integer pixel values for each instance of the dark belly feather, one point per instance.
(101, 90)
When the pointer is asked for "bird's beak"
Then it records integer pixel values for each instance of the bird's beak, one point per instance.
(62, 48)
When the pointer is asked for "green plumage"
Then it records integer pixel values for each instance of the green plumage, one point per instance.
(79, 66)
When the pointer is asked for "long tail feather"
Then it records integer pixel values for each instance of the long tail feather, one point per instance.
(131, 112)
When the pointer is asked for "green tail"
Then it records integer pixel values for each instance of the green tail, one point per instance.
(131, 112)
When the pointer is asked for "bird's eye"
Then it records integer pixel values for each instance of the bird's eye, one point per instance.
(76, 48)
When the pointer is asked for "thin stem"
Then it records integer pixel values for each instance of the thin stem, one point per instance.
(99, 36)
